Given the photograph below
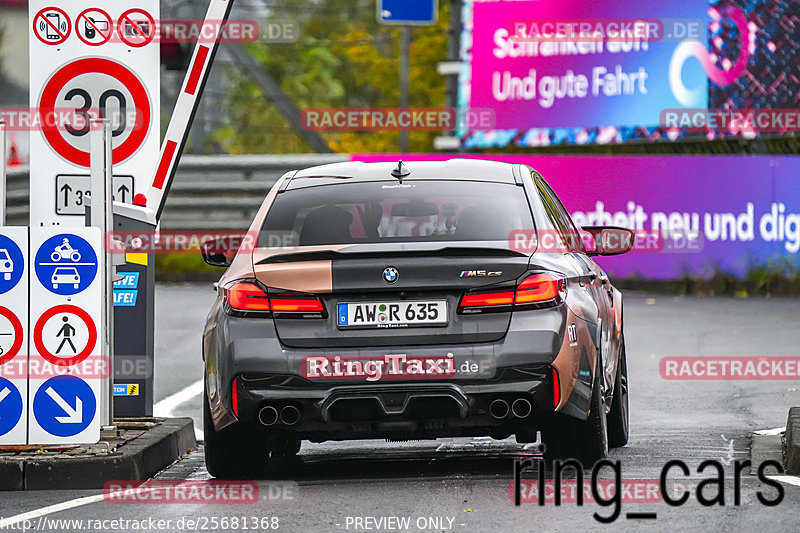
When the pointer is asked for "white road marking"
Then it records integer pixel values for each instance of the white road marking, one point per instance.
(166, 407)
(774, 431)
(7, 523)
(791, 480)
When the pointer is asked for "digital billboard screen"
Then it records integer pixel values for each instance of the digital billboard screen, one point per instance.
(627, 70)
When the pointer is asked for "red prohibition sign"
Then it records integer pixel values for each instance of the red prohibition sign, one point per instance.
(127, 39)
(41, 22)
(63, 76)
(89, 24)
(17, 325)
(53, 358)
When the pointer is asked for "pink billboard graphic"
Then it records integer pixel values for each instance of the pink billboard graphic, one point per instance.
(744, 210)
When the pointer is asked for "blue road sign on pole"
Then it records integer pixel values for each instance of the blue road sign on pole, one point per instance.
(64, 406)
(408, 12)
(66, 264)
(12, 264)
(10, 406)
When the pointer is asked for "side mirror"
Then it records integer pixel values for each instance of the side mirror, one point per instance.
(609, 240)
(212, 255)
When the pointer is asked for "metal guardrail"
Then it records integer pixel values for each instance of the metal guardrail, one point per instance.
(209, 192)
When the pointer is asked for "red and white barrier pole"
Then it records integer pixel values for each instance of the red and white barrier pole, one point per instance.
(186, 105)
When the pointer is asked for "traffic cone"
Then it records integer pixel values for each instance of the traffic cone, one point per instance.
(13, 159)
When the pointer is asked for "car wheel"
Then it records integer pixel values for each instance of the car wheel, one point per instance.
(619, 416)
(584, 440)
(236, 452)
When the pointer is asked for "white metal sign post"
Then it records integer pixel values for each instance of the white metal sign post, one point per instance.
(68, 369)
(13, 337)
(102, 218)
(93, 61)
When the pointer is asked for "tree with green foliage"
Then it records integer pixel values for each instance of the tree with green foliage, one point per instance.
(343, 58)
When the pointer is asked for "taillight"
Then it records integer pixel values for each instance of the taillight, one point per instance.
(540, 288)
(287, 303)
(556, 389)
(235, 397)
(248, 298)
(488, 299)
(536, 291)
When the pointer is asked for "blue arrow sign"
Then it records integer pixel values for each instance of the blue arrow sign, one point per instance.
(66, 264)
(64, 406)
(407, 11)
(12, 264)
(10, 406)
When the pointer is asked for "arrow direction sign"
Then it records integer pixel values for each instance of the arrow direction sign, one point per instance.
(74, 416)
(72, 191)
(66, 189)
(123, 192)
(64, 410)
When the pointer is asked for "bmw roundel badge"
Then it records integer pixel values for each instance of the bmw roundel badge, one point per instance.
(390, 275)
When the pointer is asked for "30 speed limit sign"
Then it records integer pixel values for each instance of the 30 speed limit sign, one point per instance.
(91, 73)
(96, 86)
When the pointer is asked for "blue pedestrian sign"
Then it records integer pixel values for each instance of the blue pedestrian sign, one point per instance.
(10, 406)
(66, 264)
(12, 264)
(64, 406)
(416, 12)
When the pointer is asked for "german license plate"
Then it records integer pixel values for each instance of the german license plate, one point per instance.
(392, 314)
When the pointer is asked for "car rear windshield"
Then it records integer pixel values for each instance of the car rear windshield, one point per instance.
(380, 212)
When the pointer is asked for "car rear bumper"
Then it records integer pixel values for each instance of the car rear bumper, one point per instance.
(518, 368)
(397, 410)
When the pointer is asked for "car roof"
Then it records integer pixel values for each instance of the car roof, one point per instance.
(451, 169)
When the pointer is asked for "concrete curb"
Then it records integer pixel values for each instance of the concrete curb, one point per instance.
(793, 442)
(137, 460)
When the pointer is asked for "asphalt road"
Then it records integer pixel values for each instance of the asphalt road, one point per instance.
(463, 484)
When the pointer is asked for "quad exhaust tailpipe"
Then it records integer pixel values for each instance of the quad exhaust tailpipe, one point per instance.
(268, 415)
(498, 408)
(290, 415)
(521, 408)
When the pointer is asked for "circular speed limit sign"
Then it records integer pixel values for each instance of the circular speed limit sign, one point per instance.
(95, 87)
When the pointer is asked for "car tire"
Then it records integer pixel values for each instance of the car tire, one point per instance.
(584, 440)
(619, 416)
(235, 452)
